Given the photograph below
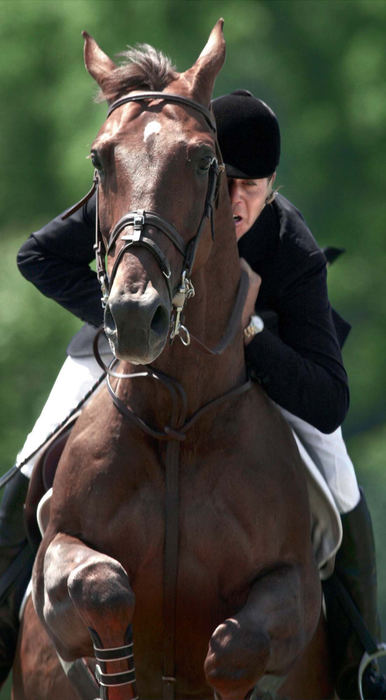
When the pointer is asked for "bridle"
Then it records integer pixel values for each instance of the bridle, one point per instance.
(140, 219)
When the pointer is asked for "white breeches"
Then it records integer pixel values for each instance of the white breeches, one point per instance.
(78, 375)
(74, 380)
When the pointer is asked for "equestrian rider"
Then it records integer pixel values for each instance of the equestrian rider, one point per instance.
(292, 348)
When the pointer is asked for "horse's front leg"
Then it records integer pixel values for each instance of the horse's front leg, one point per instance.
(265, 637)
(86, 603)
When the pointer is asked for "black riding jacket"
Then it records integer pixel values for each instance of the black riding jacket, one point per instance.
(296, 357)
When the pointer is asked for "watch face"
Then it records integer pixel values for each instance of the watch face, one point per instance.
(258, 323)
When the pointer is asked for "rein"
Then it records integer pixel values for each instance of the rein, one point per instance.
(173, 431)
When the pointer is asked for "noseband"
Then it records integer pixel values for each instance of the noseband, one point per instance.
(140, 219)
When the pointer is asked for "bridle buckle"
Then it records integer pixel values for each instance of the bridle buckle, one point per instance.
(186, 291)
(138, 224)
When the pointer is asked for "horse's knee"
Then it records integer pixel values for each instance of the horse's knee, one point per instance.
(236, 659)
(99, 588)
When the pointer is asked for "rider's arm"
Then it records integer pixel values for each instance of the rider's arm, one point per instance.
(302, 368)
(56, 259)
(298, 359)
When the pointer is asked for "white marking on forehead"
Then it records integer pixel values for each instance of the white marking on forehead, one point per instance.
(151, 128)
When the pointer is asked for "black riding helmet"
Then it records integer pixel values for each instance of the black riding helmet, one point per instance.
(248, 135)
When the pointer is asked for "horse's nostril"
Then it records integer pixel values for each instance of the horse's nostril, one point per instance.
(160, 320)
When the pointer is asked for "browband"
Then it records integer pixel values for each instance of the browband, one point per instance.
(178, 99)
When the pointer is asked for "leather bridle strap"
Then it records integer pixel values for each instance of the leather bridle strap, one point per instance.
(178, 99)
(167, 97)
(168, 432)
(141, 219)
(138, 220)
(81, 202)
(234, 319)
(229, 333)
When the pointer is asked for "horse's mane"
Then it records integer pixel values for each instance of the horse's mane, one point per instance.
(142, 68)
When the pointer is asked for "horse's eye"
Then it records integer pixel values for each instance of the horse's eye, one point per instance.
(96, 161)
(205, 164)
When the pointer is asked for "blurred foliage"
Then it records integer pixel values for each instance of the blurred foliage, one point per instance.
(318, 63)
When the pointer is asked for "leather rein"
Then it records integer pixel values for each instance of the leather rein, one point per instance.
(174, 433)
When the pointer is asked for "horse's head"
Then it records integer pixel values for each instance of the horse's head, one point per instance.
(156, 168)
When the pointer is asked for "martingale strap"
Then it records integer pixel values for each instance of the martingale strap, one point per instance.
(174, 434)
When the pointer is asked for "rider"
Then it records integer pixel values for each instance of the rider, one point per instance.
(292, 343)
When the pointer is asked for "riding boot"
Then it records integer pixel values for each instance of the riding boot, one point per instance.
(16, 559)
(355, 575)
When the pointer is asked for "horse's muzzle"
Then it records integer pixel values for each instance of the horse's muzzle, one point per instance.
(137, 326)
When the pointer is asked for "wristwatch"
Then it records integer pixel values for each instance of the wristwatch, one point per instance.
(255, 326)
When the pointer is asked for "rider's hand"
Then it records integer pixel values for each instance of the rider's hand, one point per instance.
(253, 290)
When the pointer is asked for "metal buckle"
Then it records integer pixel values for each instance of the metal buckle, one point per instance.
(185, 292)
(105, 291)
(138, 224)
(184, 336)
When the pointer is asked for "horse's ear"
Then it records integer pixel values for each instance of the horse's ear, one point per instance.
(203, 73)
(98, 64)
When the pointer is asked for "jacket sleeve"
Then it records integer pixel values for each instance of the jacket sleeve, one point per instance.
(301, 368)
(56, 259)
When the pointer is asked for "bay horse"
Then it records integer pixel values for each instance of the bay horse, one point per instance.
(177, 559)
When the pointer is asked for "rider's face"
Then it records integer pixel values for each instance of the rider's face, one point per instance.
(248, 198)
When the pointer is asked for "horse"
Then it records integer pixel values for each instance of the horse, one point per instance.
(176, 561)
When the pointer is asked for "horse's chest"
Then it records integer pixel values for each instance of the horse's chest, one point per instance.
(219, 531)
(231, 510)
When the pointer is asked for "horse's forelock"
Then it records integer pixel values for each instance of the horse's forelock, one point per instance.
(142, 68)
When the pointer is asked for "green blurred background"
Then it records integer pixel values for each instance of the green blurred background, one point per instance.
(319, 63)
